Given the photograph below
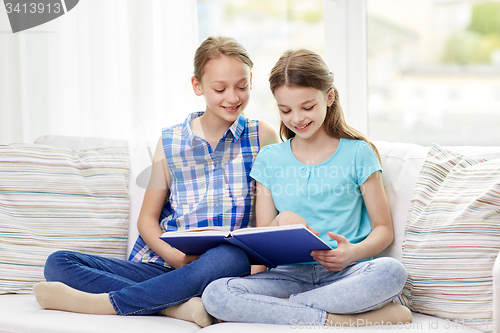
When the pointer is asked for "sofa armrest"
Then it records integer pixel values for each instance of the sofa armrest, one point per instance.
(496, 294)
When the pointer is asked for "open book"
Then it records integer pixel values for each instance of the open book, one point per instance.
(269, 246)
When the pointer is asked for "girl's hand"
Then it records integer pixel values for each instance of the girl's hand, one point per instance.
(338, 259)
(177, 259)
(288, 217)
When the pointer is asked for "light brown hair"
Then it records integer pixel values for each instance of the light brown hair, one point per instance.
(304, 68)
(213, 48)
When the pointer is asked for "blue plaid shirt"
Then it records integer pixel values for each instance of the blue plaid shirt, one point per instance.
(208, 187)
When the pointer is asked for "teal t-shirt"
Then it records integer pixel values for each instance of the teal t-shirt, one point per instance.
(326, 195)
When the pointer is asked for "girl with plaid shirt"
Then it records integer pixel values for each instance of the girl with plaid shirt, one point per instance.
(200, 177)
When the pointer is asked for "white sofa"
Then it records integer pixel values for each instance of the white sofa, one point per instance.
(401, 162)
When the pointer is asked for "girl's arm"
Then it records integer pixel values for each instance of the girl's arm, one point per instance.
(377, 206)
(381, 236)
(267, 134)
(265, 211)
(154, 199)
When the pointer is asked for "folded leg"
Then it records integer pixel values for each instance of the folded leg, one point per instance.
(259, 298)
(96, 274)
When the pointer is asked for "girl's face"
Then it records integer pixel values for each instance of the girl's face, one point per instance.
(303, 109)
(225, 85)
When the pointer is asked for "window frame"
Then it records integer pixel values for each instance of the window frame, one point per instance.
(346, 56)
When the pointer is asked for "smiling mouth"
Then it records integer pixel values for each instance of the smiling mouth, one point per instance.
(232, 108)
(300, 128)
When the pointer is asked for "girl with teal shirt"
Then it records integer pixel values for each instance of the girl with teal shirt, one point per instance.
(326, 176)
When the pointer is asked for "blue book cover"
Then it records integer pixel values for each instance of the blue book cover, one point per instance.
(269, 246)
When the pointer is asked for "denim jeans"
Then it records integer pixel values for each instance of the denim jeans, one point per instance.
(312, 292)
(143, 288)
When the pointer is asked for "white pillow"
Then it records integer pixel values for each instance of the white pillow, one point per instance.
(452, 238)
(56, 198)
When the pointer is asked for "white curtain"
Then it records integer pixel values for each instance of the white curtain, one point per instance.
(107, 68)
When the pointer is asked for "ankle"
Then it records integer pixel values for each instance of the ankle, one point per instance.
(192, 310)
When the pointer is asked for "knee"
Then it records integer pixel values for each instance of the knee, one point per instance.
(53, 265)
(215, 296)
(232, 252)
(233, 258)
(399, 272)
(394, 271)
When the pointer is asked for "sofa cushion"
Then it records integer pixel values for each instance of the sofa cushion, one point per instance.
(141, 155)
(22, 314)
(452, 237)
(421, 324)
(56, 198)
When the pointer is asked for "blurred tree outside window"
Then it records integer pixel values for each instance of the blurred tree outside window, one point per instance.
(434, 71)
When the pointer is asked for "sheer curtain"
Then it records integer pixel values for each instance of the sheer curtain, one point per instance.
(112, 68)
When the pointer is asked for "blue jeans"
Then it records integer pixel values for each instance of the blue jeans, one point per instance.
(312, 290)
(143, 288)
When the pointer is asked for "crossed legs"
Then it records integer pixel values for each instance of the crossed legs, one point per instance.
(311, 294)
(87, 284)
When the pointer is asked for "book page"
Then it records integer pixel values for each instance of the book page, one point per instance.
(267, 229)
(208, 231)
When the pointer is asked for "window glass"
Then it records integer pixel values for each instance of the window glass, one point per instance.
(434, 71)
(266, 29)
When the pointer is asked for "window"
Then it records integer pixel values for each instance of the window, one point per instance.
(410, 71)
(433, 70)
(266, 29)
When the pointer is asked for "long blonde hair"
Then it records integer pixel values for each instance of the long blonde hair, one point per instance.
(304, 68)
(214, 47)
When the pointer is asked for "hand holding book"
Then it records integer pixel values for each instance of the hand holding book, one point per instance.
(338, 259)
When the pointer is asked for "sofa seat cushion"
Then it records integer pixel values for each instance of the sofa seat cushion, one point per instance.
(22, 314)
(421, 324)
